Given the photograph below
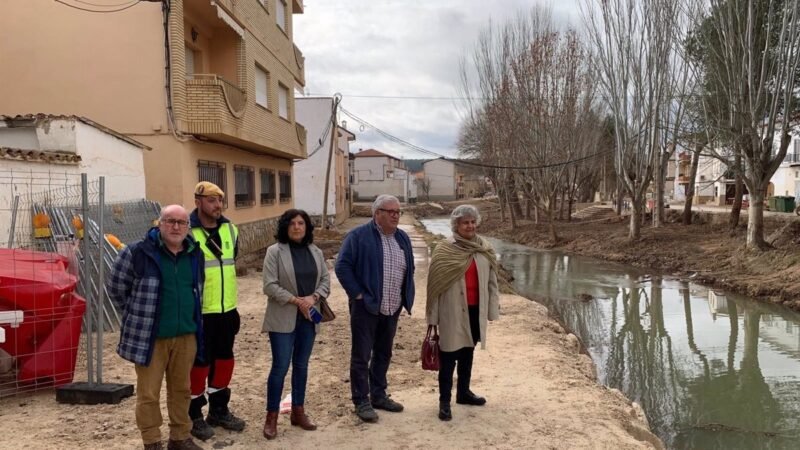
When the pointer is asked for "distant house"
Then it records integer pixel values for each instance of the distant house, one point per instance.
(443, 179)
(315, 114)
(44, 152)
(453, 179)
(786, 180)
(375, 173)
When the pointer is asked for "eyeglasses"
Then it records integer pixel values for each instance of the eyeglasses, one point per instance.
(173, 222)
(392, 212)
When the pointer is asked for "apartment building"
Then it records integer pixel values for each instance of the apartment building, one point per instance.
(208, 85)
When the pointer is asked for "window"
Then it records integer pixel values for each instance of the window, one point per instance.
(285, 186)
(280, 14)
(214, 172)
(283, 101)
(190, 58)
(262, 87)
(267, 186)
(245, 185)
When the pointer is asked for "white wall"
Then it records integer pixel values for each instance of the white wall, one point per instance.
(121, 163)
(309, 174)
(443, 179)
(371, 180)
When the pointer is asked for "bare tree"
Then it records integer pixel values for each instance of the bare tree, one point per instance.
(538, 105)
(424, 185)
(750, 64)
(633, 41)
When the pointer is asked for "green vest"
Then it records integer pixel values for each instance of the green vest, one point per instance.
(219, 290)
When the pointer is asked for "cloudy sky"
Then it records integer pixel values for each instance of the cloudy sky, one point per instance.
(368, 49)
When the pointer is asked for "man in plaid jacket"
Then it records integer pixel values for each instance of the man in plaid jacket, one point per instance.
(158, 283)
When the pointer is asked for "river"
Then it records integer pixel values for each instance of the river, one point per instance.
(712, 370)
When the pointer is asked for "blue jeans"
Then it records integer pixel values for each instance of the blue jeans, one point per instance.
(294, 347)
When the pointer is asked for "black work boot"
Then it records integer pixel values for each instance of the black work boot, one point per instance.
(218, 413)
(200, 429)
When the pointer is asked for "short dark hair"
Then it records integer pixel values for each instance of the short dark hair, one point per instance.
(283, 226)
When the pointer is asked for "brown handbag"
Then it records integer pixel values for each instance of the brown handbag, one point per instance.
(326, 311)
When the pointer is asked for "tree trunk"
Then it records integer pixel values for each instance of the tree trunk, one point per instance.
(635, 229)
(736, 209)
(569, 210)
(755, 220)
(687, 206)
(661, 179)
(620, 199)
(552, 225)
(511, 210)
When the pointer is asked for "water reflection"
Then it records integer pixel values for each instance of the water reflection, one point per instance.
(712, 371)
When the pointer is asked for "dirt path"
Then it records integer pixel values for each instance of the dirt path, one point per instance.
(541, 392)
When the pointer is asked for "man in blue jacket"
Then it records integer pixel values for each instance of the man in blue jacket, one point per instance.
(376, 269)
(158, 282)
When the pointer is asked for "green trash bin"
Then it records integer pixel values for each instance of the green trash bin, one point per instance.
(771, 204)
(784, 203)
(790, 205)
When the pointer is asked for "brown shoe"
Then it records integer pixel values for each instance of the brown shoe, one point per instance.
(271, 425)
(300, 419)
(154, 446)
(186, 444)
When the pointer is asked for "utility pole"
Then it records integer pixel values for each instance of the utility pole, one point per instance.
(334, 137)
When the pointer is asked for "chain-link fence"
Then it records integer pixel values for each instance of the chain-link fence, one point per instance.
(52, 271)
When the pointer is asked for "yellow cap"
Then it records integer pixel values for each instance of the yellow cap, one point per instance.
(208, 189)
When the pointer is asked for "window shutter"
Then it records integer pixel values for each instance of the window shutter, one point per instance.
(261, 88)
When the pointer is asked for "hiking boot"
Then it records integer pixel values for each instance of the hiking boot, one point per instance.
(366, 413)
(386, 404)
(469, 398)
(201, 430)
(154, 446)
(445, 413)
(186, 444)
(227, 421)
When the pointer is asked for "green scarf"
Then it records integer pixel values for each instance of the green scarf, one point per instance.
(450, 262)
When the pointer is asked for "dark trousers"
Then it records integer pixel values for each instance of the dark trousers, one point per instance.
(219, 336)
(294, 348)
(461, 358)
(371, 352)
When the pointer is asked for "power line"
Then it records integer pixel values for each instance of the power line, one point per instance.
(461, 161)
(136, 2)
(103, 5)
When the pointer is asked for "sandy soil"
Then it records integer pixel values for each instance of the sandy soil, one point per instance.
(542, 393)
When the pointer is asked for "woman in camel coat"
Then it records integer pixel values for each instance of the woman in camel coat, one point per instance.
(462, 298)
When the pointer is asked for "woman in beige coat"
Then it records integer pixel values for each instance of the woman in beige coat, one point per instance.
(295, 280)
(462, 297)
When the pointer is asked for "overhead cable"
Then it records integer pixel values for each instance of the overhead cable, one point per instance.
(103, 11)
(461, 161)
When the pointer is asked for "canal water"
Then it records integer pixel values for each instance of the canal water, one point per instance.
(712, 370)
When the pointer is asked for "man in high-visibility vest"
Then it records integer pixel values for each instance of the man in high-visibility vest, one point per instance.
(217, 237)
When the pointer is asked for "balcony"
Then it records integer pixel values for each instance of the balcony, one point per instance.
(792, 159)
(300, 66)
(683, 179)
(301, 138)
(214, 104)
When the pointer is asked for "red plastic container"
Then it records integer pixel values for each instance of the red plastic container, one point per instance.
(45, 345)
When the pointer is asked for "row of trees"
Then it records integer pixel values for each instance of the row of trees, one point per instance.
(553, 107)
